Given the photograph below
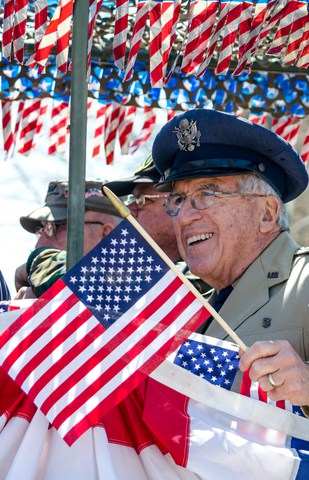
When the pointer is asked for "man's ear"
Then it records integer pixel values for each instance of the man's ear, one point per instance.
(270, 214)
(107, 228)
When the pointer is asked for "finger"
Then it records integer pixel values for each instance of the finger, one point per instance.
(259, 350)
(272, 380)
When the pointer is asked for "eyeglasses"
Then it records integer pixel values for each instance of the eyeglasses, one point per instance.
(140, 199)
(51, 228)
(200, 200)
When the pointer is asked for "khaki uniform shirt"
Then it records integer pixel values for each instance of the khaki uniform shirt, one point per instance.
(271, 299)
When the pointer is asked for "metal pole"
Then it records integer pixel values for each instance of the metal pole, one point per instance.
(78, 133)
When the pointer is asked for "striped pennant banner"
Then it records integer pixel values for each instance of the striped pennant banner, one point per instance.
(59, 127)
(99, 130)
(28, 127)
(126, 122)
(146, 131)
(8, 25)
(8, 134)
(20, 19)
(110, 137)
(121, 32)
(202, 17)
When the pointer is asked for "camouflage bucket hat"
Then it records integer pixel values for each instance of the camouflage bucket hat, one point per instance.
(55, 208)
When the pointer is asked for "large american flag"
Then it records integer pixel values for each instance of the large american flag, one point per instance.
(99, 331)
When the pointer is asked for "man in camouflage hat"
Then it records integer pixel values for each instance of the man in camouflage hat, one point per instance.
(49, 222)
(228, 180)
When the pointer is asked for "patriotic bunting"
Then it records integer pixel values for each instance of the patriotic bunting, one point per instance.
(225, 33)
(124, 128)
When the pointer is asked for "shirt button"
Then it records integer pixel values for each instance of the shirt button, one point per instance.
(266, 322)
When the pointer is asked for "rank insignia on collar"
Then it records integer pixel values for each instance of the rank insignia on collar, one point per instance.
(188, 135)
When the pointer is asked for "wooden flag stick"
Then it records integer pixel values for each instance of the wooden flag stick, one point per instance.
(125, 212)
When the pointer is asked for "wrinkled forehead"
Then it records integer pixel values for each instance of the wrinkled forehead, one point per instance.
(212, 183)
(144, 188)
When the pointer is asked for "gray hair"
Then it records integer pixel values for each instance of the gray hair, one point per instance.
(254, 184)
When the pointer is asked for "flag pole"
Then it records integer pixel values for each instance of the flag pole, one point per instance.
(125, 213)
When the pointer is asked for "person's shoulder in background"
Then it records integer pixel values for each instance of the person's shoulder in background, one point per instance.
(4, 289)
(44, 267)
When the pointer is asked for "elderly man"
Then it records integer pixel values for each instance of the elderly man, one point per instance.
(49, 222)
(228, 180)
(146, 205)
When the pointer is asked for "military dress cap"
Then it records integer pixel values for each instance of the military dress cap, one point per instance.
(55, 208)
(146, 173)
(207, 143)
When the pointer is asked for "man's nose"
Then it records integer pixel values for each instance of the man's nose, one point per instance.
(187, 212)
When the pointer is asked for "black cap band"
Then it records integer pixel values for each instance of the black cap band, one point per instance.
(234, 161)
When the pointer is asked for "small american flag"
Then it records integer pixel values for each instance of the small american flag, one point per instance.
(217, 361)
(99, 331)
(211, 359)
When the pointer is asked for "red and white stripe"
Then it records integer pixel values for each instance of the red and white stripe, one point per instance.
(8, 134)
(126, 122)
(245, 22)
(284, 29)
(303, 54)
(110, 133)
(20, 19)
(63, 34)
(59, 127)
(291, 132)
(296, 36)
(304, 152)
(28, 127)
(41, 118)
(225, 7)
(259, 20)
(170, 114)
(19, 117)
(279, 125)
(155, 45)
(44, 47)
(258, 119)
(164, 18)
(252, 390)
(146, 131)
(138, 31)
(202, 17)
(99, 131)
(74, 370)
(228, 35)
(40, 20)
(276, 13)
(121, 32)
(8, 26)
(94, 8)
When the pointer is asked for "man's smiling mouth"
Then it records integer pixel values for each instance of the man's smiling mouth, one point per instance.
(198, 238)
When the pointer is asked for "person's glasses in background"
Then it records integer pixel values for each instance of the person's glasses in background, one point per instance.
(51, 228)
(140, 199)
